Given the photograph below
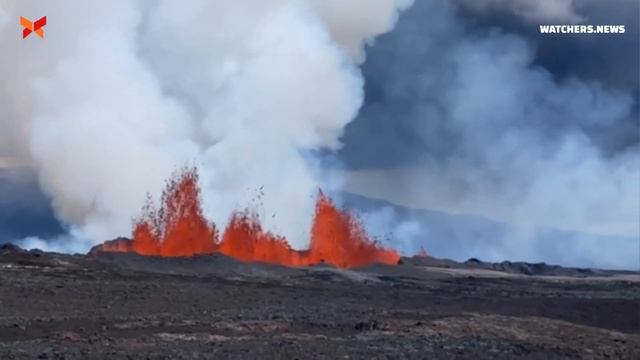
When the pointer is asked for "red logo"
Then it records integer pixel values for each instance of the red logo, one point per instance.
(35, 27)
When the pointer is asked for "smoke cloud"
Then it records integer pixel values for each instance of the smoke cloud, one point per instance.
(509, 144)
(535, 10)
(122, 93)
(465, 122)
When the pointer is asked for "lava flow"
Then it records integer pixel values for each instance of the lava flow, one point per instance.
(179, 228)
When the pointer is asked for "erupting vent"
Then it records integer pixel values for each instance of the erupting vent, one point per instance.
(179, 228)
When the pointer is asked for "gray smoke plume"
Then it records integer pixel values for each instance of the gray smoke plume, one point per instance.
(561, 11)
(463, 120)
(499, 142)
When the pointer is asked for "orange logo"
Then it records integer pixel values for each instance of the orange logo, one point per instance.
(35, 27)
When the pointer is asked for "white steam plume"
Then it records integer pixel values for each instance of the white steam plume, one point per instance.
(121, 93)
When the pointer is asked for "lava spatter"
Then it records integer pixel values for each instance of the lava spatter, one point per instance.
(179, 228)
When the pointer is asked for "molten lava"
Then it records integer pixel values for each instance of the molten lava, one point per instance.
(179, 228)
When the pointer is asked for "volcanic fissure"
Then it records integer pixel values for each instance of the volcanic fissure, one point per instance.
(179, 228)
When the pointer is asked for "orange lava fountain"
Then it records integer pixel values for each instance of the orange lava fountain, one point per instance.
(179, 228)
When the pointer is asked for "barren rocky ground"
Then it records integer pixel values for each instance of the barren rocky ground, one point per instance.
(122, 306)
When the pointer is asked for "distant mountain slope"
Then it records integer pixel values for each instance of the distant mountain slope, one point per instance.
(460, 237)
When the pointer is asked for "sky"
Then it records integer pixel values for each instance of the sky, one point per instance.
(460, 107)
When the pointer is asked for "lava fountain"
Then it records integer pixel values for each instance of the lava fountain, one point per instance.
(178, 228)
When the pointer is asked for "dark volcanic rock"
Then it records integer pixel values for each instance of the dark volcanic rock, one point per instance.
(98, 248)
(126, 306)
(9, 248)
(519, 267)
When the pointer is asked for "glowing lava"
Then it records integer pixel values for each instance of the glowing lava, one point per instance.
(179, 228)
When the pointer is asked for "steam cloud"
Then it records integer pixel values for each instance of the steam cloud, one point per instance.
(451, 117)
(122, 93)
(470, 124)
